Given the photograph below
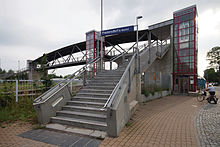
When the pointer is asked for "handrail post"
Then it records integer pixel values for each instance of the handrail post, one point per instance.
(84, 77)
(123, 58)
(110, 65)
(71, 86)
(129, 79)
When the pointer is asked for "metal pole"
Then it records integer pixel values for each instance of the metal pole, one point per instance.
(137, 50)
(101, 34)
(71, 86)
(16, 91)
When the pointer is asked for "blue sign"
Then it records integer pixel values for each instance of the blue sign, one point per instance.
(117, 30)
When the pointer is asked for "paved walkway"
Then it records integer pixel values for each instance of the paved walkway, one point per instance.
(9, 138)
(168, 121)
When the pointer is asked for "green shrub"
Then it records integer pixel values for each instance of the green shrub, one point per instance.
(152, 89)
(23, 110)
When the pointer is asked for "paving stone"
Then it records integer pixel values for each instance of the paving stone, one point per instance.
(98, 134)
(81, 142)
(168, 121)
(207, 124)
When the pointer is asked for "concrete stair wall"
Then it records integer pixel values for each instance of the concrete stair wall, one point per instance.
(84, 109)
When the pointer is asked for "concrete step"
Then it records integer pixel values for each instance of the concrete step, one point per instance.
(82, 115)
(86, 104)
(84, 109)
(102, 84)
(103, 81)
(91, 124)
(108, 78)
(77, 130)
(100, 87)
(89, 90)
(112, 72)
(89, 99)
(97, 95)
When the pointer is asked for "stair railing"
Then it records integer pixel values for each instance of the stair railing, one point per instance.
(68, 81)
(126, 73)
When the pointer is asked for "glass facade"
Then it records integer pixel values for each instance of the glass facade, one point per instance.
(185, 47)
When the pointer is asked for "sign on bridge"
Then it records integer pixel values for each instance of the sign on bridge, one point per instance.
(117, 30)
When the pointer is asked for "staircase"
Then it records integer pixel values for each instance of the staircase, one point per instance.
(84, 109)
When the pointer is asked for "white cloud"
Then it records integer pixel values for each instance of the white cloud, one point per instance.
(30, 28)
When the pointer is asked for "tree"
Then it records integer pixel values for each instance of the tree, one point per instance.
(46, 80)
(213, 56)
(211, 75)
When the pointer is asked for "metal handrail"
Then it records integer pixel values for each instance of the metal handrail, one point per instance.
(111, 97)
(140, 47)
(68, 80)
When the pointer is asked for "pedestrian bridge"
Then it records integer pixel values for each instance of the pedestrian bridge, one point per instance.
(108, 97)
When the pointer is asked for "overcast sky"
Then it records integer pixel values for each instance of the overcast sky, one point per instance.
(29, 28)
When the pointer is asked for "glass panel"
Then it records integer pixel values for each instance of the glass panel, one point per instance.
(175, 33)
(184, 18)
(184, 45)
(191, 15)
(184, 38)
(192, 37)
(176, 46)
(191, 51)
(175, 40)
(184, 59)
(176, 20)
(184, 25)
(191, 30)
(183, 32)
(192, 44)
(184, 52)
(192, 22)
(191, 59)
(176, 26)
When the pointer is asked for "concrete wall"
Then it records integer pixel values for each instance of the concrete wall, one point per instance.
(162, 67)
(155, 96)
(126, 100)
(159, 72)
(47, 108)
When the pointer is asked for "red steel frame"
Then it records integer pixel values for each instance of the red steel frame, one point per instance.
(184, 72)
(94, 50)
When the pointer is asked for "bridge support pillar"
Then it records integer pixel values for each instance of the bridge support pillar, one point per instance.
(138, 88)
(33, 74)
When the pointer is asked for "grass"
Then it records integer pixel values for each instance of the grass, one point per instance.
(23, 110)
(128, 124)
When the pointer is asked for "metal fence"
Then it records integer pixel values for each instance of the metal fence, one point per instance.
(21, 88)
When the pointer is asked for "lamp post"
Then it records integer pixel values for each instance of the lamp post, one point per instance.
(101, 35)
(137, 50)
